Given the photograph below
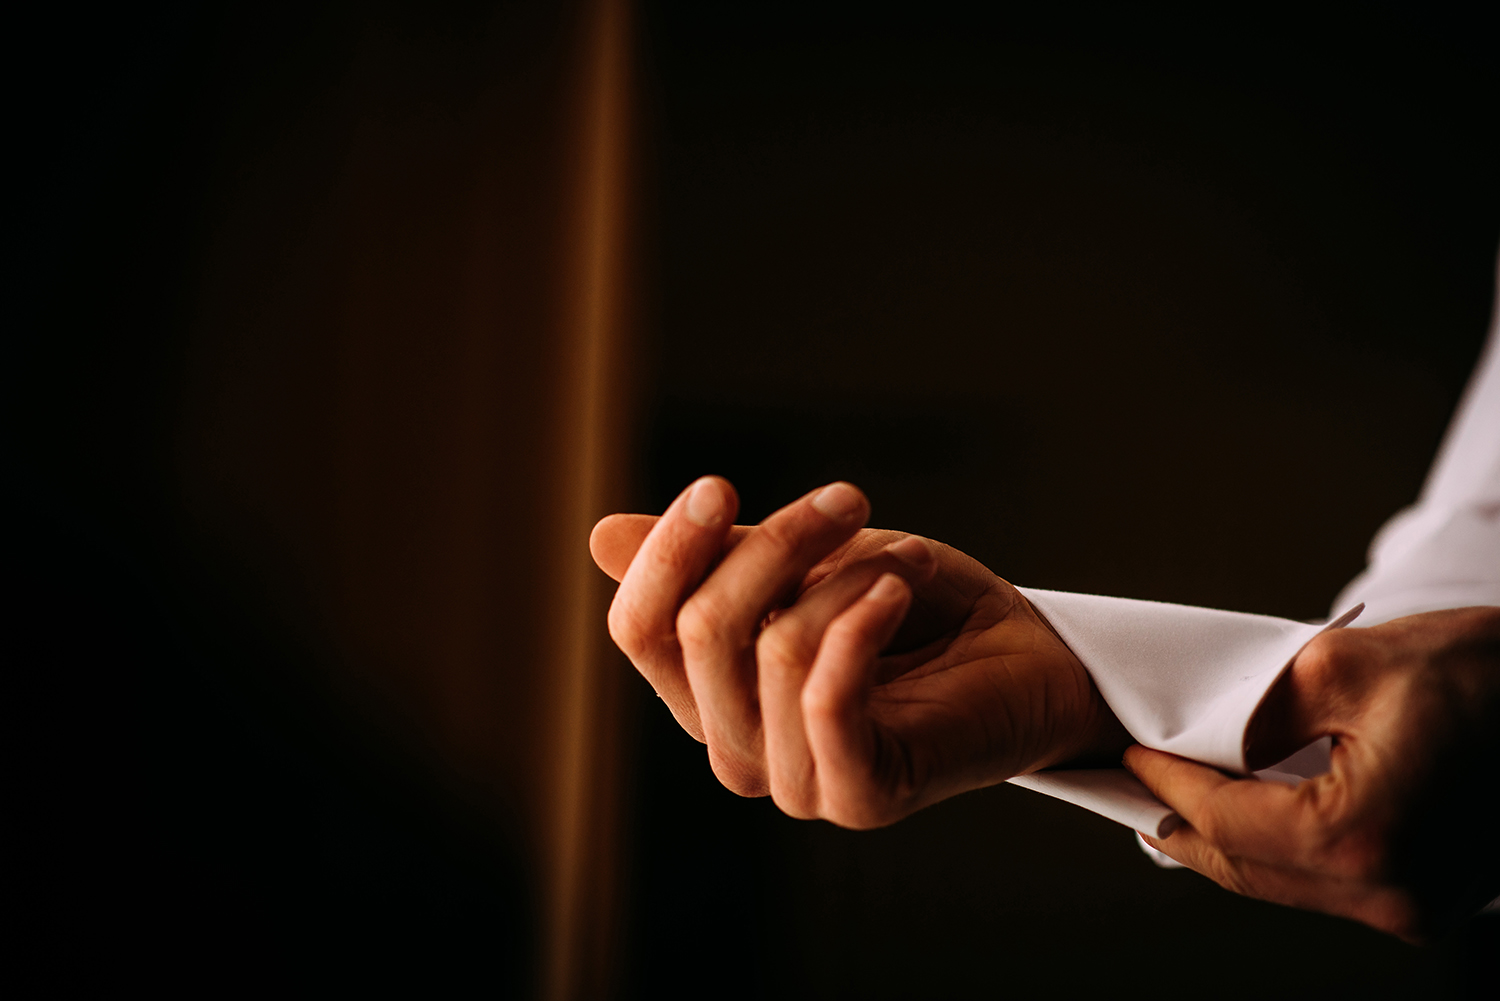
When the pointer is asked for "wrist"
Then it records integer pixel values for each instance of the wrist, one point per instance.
(1093, 737)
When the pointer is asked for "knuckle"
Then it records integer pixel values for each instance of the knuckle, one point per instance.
(1341, 840)
(781, 534)
(627, 630)
(1315, 657)
(1363, 857)
(700, 626)
(859, 815)
(1332, 655)
(739, 776)
(1232, 877)
(1211, 825)
(793, 800)
(784, 643)
(860, 802)
(846, 632)
(1397, 914)
(820, 705)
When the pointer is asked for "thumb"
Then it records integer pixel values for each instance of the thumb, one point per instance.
(1321, 694)
(615, 540)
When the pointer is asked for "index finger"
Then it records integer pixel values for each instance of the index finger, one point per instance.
(718, 624)
(678, 550)
(1243, 817)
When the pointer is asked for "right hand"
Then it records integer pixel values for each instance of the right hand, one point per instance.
(1400, 832)
(853, 675)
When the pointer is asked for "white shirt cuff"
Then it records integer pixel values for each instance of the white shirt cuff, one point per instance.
(1181, 679)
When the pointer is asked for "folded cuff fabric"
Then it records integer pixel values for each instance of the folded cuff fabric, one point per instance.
(1188, 680)
(1109, 792)
(1181, 679)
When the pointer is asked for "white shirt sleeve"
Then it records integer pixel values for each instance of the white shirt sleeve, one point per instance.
(1444, 551)
(1188, 680)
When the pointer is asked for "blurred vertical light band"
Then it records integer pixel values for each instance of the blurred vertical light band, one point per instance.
(582, 864)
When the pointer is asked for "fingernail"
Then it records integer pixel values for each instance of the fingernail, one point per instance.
(886, 590)
(912, 551)
(837, 502)
(705, 503)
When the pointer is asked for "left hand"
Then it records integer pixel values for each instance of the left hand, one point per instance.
(855, 675)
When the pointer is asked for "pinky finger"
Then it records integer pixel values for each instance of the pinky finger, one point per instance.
(835, 704)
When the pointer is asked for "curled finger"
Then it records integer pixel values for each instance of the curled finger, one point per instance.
(669, 564)
(835, 706)
(719, 625)
(785, 653)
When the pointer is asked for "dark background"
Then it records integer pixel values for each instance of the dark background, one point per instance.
(1162, 302)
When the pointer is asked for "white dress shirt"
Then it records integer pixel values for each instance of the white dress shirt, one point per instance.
(1187, 680)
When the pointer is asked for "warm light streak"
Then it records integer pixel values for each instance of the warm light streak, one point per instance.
(594, 318)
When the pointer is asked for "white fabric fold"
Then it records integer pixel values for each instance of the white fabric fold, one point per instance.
(1109, 792)
(1444, 551)
(1181, 679)
(1430, 558)
(1188, 680)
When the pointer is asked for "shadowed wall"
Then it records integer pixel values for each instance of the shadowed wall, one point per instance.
(1116, 301)
(406, 411)
(339, 354)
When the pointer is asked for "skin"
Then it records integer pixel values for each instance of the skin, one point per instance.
(858, 675)
(1399, 834)
(854, 675)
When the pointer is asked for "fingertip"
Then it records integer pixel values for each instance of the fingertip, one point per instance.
(596, 535)
(888, 600)
(710, 501)
(1151, 766)
(888, 589)
(616, 538)
(731, 496)
(1147, 756)
(1134, 756)
(603, 528)
(841, 502)
(854, 638)
(915, 553)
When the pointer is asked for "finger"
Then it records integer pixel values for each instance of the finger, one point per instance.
(909, 556)
(785, 653)
(835, 706)
(1263, 821)
(719, 623)
(615, 540)
(670, 562)
(1380, 907)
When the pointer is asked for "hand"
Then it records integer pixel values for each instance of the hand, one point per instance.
(854, 675)
(1400, 834)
